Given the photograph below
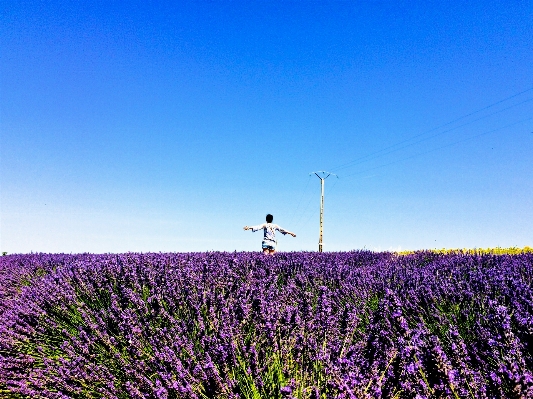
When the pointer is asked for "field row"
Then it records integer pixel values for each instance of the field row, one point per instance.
(243, 325)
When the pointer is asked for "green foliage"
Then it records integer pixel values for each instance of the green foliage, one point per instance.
(278, 369)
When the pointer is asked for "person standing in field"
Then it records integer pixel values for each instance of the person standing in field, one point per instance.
(269, 234)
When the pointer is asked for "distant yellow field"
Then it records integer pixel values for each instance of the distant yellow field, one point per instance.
(493, 251)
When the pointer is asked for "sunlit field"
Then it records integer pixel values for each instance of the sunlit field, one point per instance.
(425, 324)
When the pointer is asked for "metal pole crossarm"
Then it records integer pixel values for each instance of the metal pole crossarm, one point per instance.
(325, 174)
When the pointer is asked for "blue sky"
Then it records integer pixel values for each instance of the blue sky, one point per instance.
(145, 126)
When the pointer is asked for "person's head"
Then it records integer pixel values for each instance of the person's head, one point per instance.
(269, 218)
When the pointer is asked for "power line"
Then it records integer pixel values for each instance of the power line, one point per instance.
(427, 138)
(307, 220)
(438, 148)
(393, 149)
(310, 200)
(381, 152)
(300, 200)
(303, 212)
(297, 222)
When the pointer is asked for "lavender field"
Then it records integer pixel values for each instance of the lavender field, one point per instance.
(243, 325)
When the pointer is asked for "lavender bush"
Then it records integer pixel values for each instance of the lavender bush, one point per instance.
(244, 325)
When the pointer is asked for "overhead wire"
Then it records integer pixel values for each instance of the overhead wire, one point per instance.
(329, 196)
(307, 220)
(296, 223)
(382, 152)
(441, 147)
(300, 200)
(393, 148)
(329, 191)
(433, 136)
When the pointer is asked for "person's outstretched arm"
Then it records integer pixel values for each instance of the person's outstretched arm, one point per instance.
(254, 228)
(283, 231)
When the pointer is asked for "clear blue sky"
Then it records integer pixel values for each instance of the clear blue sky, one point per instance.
(142, 126)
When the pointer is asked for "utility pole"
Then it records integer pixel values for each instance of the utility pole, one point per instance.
(322, 175)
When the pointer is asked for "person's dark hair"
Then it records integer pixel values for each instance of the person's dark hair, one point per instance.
(269, 218)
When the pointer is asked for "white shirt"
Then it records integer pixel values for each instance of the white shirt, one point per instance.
(269, 231)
